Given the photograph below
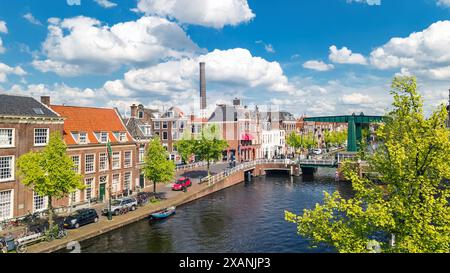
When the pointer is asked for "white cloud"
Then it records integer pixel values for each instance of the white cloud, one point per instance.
(30, 18)
(60, 68)
(73, 2)
(368, 2)
(2, 49)
(210, 13)
(5, 70)
(445, 3)
(61, 93)
(356, 98)
(82, 45)
(346, 56)
(233, 67)
(3, 28)
(268, 47)
(105, 3)
(116, 88)
(318, 66)
(423, 53)
(361, 93)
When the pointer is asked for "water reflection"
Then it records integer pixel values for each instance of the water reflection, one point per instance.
(248, 217)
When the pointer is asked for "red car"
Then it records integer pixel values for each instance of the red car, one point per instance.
(181, 183)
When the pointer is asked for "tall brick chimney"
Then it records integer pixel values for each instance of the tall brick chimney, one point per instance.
(133, 110)
(202, 86)
(45, 100)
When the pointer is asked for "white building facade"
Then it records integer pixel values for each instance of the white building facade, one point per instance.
(273, 143)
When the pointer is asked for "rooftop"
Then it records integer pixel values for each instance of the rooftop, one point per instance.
(90, 120)
(15, 105)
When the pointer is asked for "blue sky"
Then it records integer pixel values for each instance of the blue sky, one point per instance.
(315, 57)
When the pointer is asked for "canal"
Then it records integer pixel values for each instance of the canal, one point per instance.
(248, 217)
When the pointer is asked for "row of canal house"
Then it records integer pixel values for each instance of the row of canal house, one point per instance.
(26, 125)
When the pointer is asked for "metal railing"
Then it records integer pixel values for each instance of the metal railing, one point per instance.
(319, 162)
(191, 166)
(243, 166)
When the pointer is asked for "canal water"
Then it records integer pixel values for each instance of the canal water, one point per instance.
(248, 217)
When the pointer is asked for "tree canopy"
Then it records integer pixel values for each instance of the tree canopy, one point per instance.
(158, 168)
(335, 138)
(207, 146)
(50, 172)
(185, 146)
(301, 142)
(406, 209)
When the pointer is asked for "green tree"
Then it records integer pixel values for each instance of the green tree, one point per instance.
(50, 172)
(309, 141)
(158, 168)
(185, 146)
(209, 144)
(295, 141)
(408, 211)
(330, 138)
(335, 138)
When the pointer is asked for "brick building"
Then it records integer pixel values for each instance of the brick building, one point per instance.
(25, 125)
(170, 127)
(140, 126)
(87, 130)
(240, 127)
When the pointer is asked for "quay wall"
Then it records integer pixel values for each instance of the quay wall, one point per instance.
(105, 226)
(197, 191)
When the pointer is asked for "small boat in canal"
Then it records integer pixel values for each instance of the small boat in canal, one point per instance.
(163, 213)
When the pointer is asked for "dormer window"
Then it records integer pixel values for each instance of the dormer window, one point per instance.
(122, 137)
(104, 137)
(140, 114)
(170, 114)
(82, 138)
(147, 130)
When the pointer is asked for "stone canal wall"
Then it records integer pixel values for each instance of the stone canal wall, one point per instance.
(195, 192)
(227, 182)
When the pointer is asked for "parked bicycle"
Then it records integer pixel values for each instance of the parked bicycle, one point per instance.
(58, 232)
(143, 198)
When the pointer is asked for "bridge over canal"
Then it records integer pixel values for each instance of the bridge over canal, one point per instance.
(355, 125)
(246, 170)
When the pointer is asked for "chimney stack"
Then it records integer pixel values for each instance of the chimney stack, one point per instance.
(236, 102)
(202, 86)
(45, 100)
(133, 110)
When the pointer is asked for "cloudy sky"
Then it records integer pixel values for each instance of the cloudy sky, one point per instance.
(314, 57)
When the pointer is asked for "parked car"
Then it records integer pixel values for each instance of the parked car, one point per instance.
(317, 151)
(118, 204)
(80, 218)
(181, 183)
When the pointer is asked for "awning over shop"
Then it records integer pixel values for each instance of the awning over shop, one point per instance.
(247, 137)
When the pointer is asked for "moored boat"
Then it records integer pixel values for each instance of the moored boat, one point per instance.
(163, 213)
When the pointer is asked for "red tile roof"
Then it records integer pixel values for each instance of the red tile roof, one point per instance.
(90, 120)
